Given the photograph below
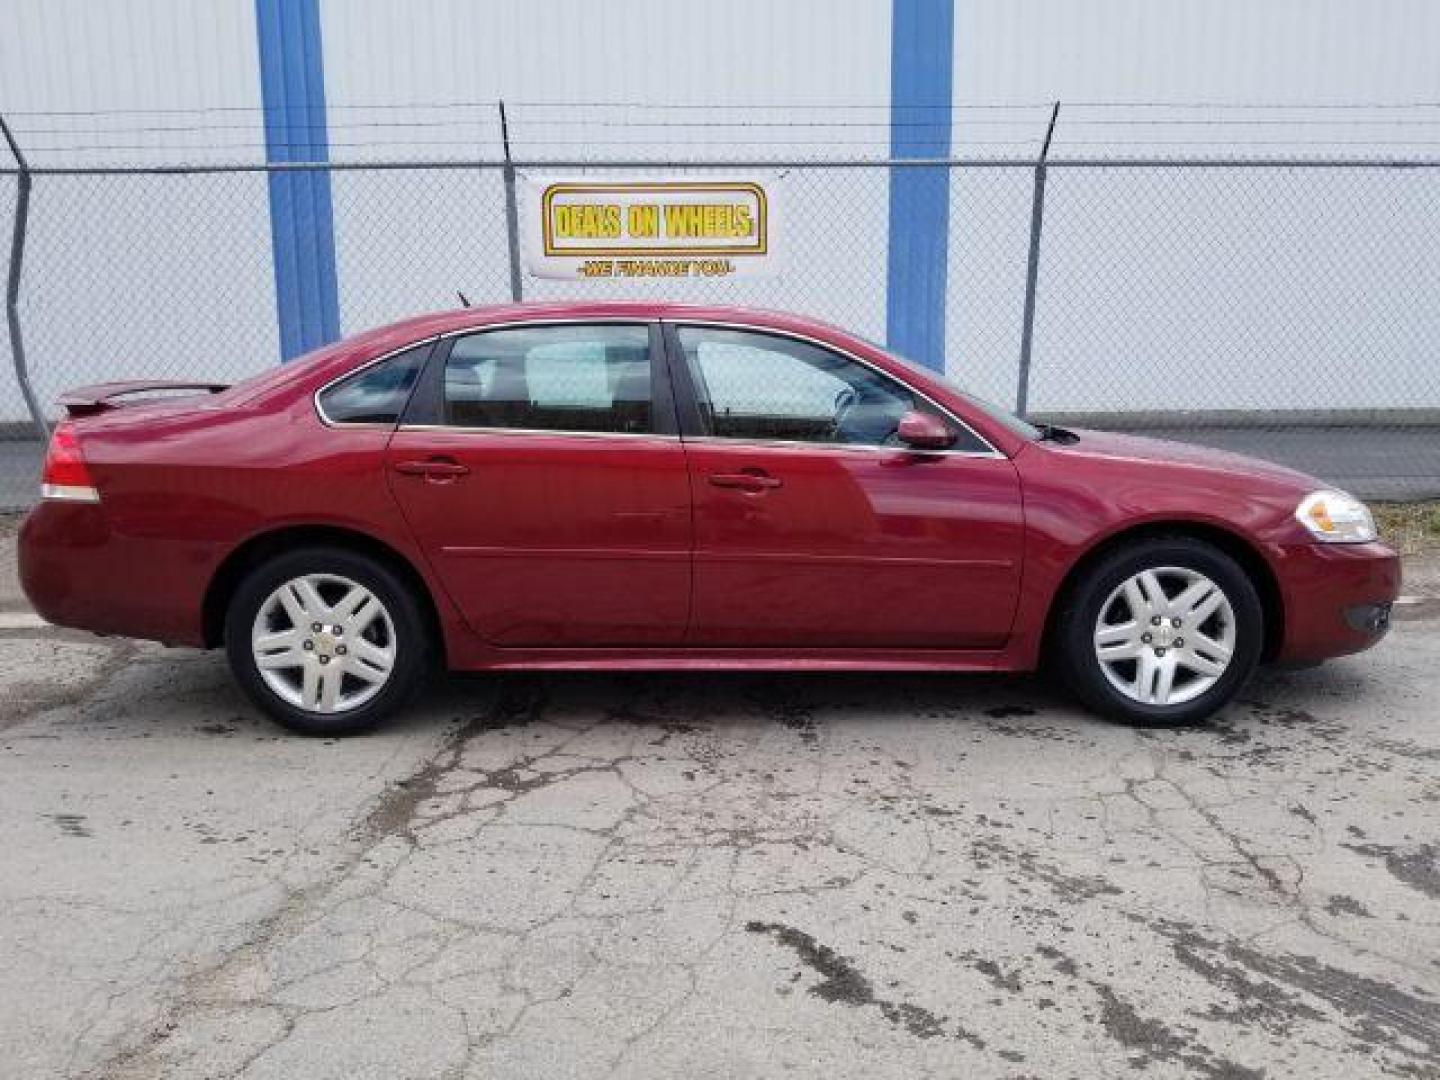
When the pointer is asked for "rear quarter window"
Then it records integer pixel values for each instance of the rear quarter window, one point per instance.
(376, 395)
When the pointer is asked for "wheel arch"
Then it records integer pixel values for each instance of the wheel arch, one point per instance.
(1237, 546)
(261, 547)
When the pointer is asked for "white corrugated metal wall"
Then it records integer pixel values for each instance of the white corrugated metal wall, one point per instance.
(1212, 281)
(120, 271)
(777, 58)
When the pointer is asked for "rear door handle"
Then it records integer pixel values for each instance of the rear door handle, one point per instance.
(437, 468)
(745, 481)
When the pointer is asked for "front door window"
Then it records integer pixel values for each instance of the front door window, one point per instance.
(762, 387)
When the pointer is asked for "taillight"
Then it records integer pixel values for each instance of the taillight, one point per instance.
(66, 476)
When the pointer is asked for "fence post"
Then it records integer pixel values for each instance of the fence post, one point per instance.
(1032, 268)
(12, 285)
(512, 224)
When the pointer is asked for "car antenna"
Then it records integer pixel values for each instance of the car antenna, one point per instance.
(463, 302)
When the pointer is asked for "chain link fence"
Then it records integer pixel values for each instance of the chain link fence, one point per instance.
(1283, 308)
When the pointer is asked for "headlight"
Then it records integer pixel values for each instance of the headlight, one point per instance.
(1335, 518)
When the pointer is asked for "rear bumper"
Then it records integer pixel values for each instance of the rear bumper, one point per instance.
(78, 572)
(1337, 598)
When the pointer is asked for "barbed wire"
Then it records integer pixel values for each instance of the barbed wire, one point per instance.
(877, 125)
(494, 104)
(795, 106)
(1006, 131)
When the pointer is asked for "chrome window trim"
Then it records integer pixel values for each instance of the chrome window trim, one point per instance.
(642, 320)
(854, 448)
(567, 320)
(553, 432)
(557, 320)
(348, 425)
(989, 452)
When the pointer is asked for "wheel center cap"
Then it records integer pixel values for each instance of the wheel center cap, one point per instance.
(1164, 635)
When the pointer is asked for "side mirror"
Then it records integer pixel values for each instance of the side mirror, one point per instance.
(923, 431)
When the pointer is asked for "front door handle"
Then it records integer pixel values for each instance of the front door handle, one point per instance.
(439, 469)
(745, 481)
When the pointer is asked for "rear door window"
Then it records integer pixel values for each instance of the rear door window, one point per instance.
(551, 378)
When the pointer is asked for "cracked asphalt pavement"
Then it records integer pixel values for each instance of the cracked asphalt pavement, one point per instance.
(715, 875)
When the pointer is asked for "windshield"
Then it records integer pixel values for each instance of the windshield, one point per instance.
(1001, 416)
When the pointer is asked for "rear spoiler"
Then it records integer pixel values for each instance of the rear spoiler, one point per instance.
(88, 400)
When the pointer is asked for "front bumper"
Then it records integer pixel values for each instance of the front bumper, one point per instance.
(1336, 598)
(1371, 619)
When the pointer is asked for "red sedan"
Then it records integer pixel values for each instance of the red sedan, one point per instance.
(657, 486)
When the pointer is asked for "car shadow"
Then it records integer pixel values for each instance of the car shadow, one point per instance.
(194, 690)
(1025, 705)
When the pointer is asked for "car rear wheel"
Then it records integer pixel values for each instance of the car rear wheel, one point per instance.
(1160, 632)
(327, 641)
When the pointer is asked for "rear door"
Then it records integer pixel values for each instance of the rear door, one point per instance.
(540, 469)
(814, 527)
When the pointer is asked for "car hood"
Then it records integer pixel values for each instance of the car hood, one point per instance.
(1113, 446)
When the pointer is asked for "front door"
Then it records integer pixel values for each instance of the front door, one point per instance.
(539, 469)
(814, 527)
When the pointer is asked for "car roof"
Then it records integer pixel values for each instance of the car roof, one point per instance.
(330, 359)
(444, 322)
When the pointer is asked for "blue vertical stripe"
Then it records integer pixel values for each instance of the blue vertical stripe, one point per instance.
(922, 59)
(302, 224)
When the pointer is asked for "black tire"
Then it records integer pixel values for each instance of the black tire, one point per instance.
(412, 645)
(1073, 644)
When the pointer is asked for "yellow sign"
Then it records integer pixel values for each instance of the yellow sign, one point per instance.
(649, 229)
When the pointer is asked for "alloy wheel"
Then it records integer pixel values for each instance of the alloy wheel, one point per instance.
(324, 643)
(1165, 636)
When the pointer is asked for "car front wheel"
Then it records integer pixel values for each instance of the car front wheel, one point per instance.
(327, 641)
(1161, 631)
